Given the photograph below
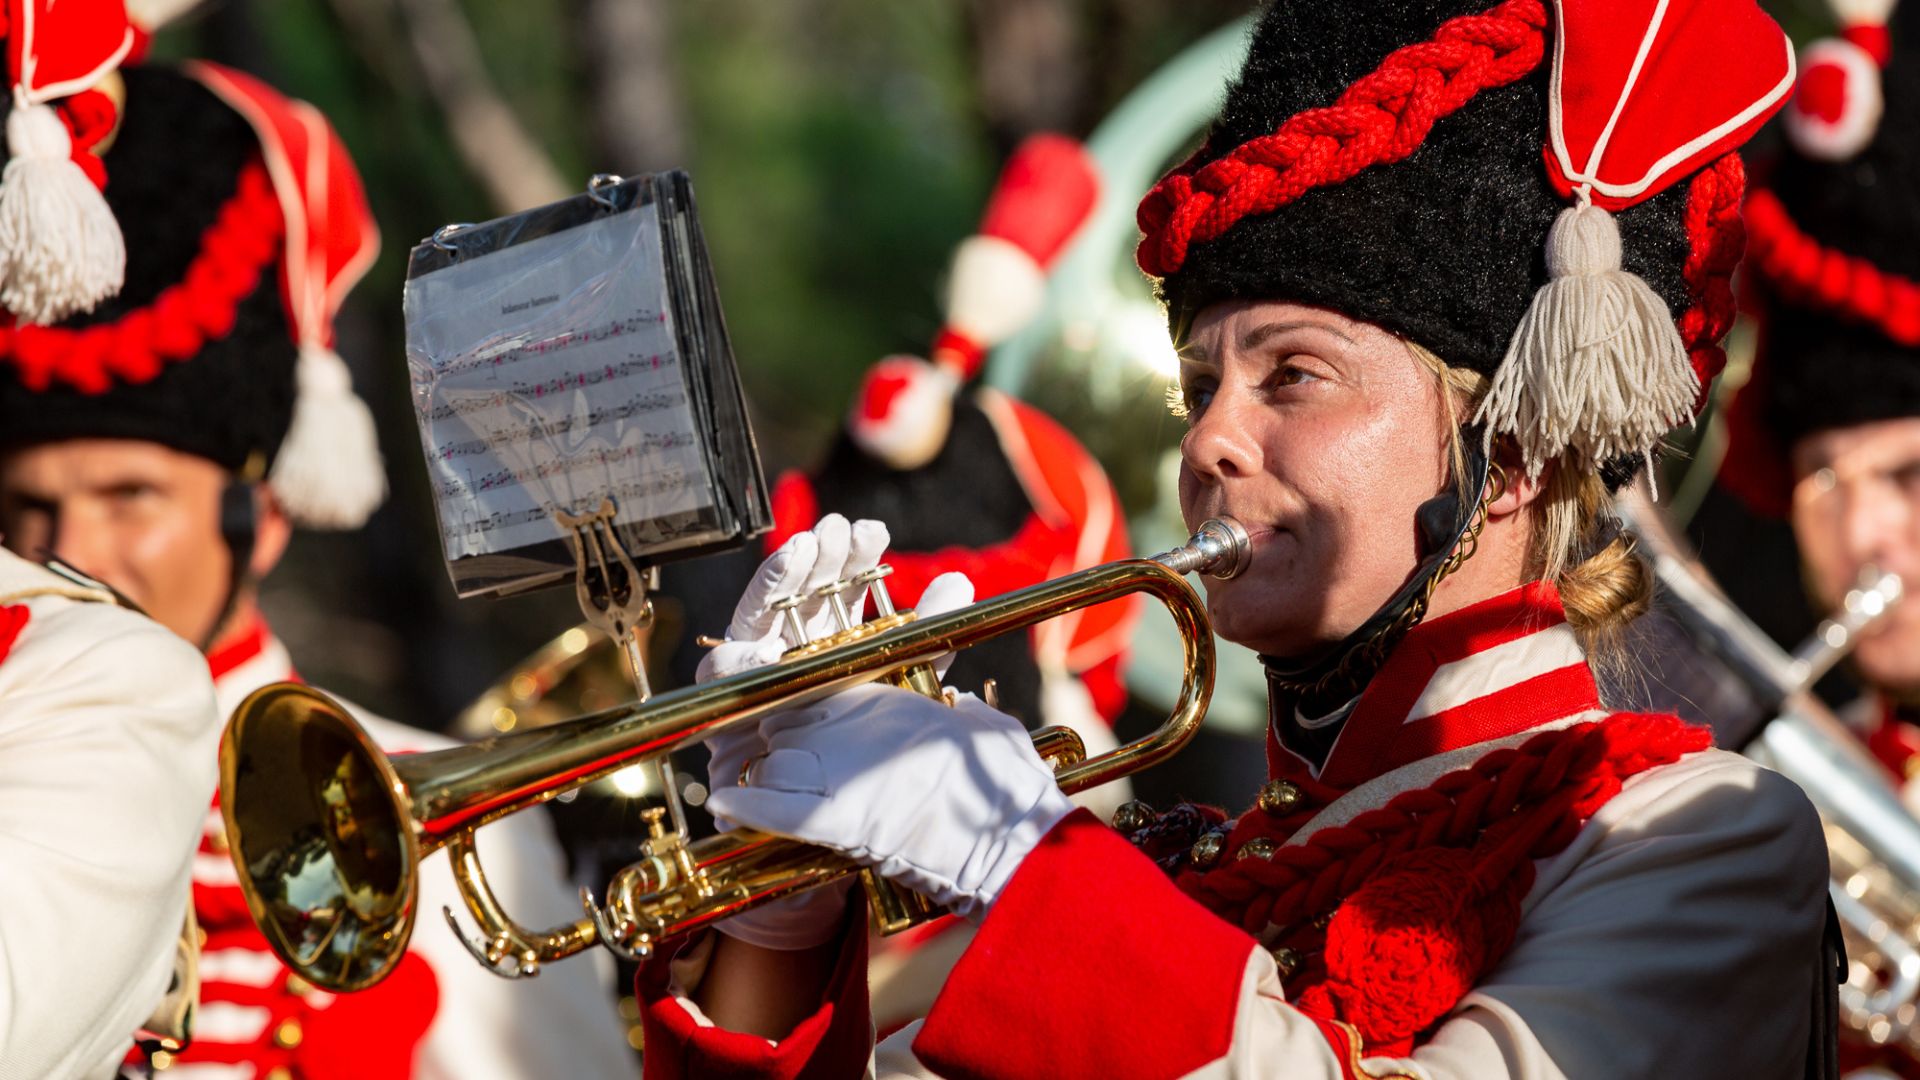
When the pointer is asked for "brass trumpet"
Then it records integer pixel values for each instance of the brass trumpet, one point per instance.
(327, 832)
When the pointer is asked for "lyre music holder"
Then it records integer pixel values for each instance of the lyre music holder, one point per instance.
(614, 596)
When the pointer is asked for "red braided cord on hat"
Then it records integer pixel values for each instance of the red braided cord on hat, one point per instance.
(1804, 271)
(234, 251)
(1541, 791)
(1716, 239)
(1378, 120)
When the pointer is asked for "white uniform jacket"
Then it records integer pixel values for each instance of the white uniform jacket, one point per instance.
(1677, 935)
(560, 1024)
(107, 736)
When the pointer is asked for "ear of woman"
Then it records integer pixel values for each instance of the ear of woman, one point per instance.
(1517, 491)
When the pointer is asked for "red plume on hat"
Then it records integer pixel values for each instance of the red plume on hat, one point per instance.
(1643, 94)
(60, 248)
(328, 472)
(997, 285)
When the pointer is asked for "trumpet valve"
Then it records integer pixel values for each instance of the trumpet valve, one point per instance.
(875, 582)
(835, 594)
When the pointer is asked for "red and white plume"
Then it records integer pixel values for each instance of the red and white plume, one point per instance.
(997, 284)
(1837, 110)
(328, 473)
(1644, 93)
(60, 248)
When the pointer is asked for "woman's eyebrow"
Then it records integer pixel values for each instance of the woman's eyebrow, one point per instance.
(1253, 338)
(1194, 352)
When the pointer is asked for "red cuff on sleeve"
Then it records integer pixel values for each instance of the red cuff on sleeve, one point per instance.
(1091, 964)
(832, 1044)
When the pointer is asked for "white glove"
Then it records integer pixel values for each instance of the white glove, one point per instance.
(756, 637)
(947, 801)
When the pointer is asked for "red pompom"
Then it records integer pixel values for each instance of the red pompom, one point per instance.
(1838, 107)
(887, 381)
(1408, 945)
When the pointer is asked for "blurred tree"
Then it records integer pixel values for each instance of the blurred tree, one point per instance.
(1031, 67)
(497, 149)
(633, 83)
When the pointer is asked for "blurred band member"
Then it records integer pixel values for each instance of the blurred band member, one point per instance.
(1827, 432)
(168, 443)
(1833, 413)
(107, 725)
(971, 479)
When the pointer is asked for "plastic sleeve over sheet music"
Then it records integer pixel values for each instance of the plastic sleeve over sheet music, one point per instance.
(569, 357)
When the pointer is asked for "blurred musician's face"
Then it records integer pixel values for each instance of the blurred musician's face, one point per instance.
(1856, 503)
(1323, 435)
(139, 516)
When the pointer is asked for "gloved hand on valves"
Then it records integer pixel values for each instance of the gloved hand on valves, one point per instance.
(759, 632)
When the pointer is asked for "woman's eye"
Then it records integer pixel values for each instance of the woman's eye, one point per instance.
(1186, 399)
(1289, 373)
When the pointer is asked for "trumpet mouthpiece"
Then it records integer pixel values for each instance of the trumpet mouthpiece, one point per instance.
(1219, 548)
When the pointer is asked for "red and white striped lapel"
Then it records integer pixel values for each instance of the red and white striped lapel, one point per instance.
(1499, 667)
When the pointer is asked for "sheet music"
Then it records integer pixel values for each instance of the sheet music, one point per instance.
(546, 375)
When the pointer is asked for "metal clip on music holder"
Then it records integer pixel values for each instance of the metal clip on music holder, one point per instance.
(614, 597)
(598, 185)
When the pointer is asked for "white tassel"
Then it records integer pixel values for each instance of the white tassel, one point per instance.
(1597, 363)
(60, 248)
(328, 474)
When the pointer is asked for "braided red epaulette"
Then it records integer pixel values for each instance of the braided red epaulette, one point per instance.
(1388, 920)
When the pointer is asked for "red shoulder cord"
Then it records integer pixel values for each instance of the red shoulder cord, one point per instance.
(1802, 270)
(234, 251)
(1393, 917)
(1378, 120)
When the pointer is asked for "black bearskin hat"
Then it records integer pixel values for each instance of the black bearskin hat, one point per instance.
(232, 399)
(1459, 173)
(1836, 241)
(244, 225)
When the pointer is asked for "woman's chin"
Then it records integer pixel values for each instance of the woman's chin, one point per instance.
(1265, 628)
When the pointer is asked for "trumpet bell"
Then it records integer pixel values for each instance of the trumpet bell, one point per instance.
(320, 832)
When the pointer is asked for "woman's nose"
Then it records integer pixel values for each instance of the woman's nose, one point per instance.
(1221, 444)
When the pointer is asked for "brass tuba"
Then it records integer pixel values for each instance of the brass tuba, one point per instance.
(327, 832)
(1873, 840)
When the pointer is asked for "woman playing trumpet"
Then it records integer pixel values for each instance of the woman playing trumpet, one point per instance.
(1464, 865)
